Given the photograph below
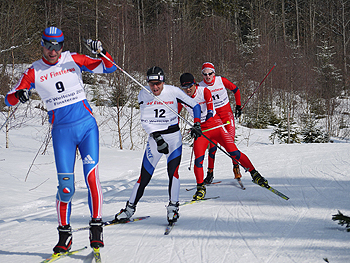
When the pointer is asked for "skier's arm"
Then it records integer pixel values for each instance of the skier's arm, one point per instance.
(25, 82)
(229, 85)
(209, 101)
(94, 65)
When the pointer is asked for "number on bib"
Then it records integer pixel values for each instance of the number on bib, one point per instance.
(59, 86)
(159, 113)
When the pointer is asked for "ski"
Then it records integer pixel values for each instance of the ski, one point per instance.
(112, 222)
(196, 201)
(169, 227)
(276, 192)
(57, 256)
(97, 255)
(135, 219)
(190, 189)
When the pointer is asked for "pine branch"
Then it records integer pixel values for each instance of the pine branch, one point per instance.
(343, 220)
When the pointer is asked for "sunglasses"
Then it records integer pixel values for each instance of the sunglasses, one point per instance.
(187, 86)
(52, 45)
(208, 74)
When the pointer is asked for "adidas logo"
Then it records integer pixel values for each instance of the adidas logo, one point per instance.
(88, 160)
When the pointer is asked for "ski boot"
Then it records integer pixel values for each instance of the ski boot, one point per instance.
(200, 193)
(65, 239)
(210, 176)
(126, 213)
(172, 212)
(236, 171)
(96, 233)
(258, 179)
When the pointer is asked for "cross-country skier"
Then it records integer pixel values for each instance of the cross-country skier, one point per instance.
(57, 77)
(209, 119)
(218, 85)
(161, 124)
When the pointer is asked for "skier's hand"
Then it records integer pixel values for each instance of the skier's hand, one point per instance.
(209, 115)
(238, 111)
(94, 45)
(196, 131)
(23, 95)
(162, 146)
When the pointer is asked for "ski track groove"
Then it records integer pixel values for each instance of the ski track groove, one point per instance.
(239, 228)
(272, 257)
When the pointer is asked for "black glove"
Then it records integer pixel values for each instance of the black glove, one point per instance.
(196, 130)
(23, 95)
(162, 146)
(95, 46)
(238, 111)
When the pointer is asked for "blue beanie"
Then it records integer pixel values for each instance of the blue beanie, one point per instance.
(53, 34)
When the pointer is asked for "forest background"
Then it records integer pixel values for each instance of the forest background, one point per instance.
(305, 97)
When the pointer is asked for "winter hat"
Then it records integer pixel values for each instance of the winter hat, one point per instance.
(187, 80)
(155, 73)
(53, 34)
(209, 66)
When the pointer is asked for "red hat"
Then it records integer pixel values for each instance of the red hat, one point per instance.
(208, 65)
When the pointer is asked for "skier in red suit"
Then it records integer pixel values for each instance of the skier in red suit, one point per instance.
(209, 119)
(217, 86)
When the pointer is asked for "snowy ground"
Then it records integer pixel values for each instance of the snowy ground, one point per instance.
(241, 226)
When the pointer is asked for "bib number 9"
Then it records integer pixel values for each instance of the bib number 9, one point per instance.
(59, 86)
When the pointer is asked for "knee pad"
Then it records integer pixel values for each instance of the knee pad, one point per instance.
(65, 188)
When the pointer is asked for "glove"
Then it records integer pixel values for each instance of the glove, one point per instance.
(209, 115)
(238, 111)
(196, 131)
(94, 45)
(23, 95)
(162, 146)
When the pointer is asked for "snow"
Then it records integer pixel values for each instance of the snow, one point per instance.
(253, 225)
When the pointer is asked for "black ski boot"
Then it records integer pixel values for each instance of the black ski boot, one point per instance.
(210, 176)
(200, 193)
(258, 179)
(96, 233)
(65, 239)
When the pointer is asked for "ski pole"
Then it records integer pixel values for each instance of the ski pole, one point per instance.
(219, 126)
(182, 118)
(9, 116)
(189, 168)
(138, 83)
(259, 85)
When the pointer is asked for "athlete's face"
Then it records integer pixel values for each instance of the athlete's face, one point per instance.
(156, 87)
(208, 75)
(51, 56)
(190, 90)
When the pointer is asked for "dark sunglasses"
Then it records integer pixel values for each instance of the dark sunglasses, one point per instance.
(206, 74)
(52, 45)
(187, 86)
